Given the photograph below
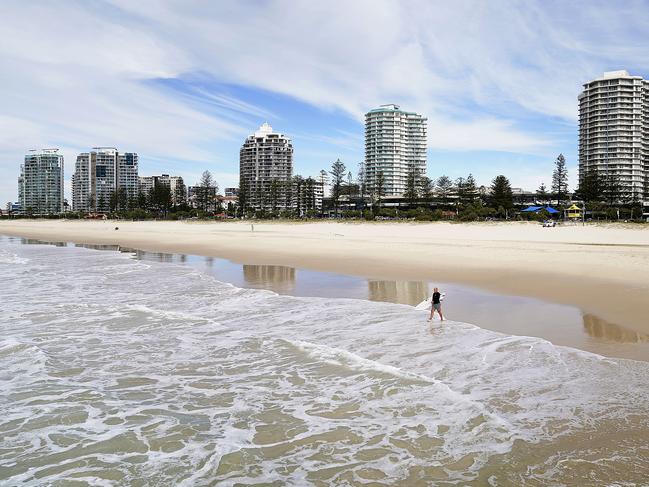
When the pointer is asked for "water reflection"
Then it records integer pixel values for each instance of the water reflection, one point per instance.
(31, 241)
(278, 278)
(402, 292)
(98, 246)
(155, 256)
(602, 329)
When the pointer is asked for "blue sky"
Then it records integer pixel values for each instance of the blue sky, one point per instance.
(184, 82)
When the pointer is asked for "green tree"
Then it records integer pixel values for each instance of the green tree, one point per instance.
(101, 204)
(132, 203)
(122, 199)
(591, 187)
(470, 191)
(379, 189)
(244, 197)
(112, 201)
(206, 192)
(426, 187)
(560, 179)
(298, 191)
(613, 190)
(160, 198)
(273, 195)
(412, 185)
(289, 202)
(142, 200)
(92, 202)
(444, 187)
(337, 172)
(542, 194)
(501, 193)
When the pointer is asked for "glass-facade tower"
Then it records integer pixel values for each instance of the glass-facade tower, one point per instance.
(40, 185)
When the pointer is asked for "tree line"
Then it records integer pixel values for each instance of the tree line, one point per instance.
(161, 201)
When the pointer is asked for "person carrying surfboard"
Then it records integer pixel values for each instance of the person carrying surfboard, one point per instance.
(436, 305)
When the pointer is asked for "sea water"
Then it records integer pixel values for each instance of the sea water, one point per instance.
(118, 371)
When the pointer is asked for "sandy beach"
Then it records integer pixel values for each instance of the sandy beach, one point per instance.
(601, 269)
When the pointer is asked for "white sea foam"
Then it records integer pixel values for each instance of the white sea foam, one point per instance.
(7, 257)
(197, 382)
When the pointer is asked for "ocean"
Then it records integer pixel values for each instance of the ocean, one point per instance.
(121, 371)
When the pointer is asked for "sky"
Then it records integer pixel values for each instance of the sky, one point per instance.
(183, 82)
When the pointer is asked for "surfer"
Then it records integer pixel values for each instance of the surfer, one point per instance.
(436, 305)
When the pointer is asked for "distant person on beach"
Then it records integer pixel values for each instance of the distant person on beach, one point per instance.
(436, 305)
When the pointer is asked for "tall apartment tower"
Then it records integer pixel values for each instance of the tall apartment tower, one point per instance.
(266, 168)
(101, 172)
(395, 144)
(614, 131)
(40, 185)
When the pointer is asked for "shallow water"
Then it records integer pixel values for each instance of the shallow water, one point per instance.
(513, 315)
(118, 371)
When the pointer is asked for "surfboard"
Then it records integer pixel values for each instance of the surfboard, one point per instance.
(425, 304)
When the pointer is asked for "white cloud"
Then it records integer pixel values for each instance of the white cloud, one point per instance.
(75, 74)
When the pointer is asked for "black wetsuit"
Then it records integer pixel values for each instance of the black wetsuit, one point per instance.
(436, 297)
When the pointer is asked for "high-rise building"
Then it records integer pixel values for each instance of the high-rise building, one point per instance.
(21, 188)
(395, 146)
(614, 132)
(100, 173)
(40, 185)
(266, 168)
(127, 173)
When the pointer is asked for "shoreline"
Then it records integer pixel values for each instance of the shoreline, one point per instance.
(601, 270)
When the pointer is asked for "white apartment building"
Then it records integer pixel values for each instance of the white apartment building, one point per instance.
(146, 184)
(395, 144)
(40, 185)
(127, 173)
(614, 131)
(175, 183)
(101, 172)
(319, 191)
(266, 156)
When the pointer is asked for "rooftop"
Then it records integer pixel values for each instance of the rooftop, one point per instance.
(391, 107)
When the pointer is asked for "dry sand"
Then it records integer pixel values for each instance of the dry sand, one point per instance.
(604, 270)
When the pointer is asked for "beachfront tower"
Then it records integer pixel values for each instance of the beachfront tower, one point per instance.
(614, 133)
(395, 145)
(40, 185)
(100, 173)
(266, 169)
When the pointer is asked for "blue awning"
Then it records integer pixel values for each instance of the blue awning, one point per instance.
(534, 209)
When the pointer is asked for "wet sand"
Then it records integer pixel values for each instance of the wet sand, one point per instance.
(601, 270)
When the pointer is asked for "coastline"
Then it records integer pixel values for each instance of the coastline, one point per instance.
(602, 270)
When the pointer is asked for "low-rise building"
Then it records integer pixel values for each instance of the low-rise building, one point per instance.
(14, 208)
(175, 183)
(195, 197)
